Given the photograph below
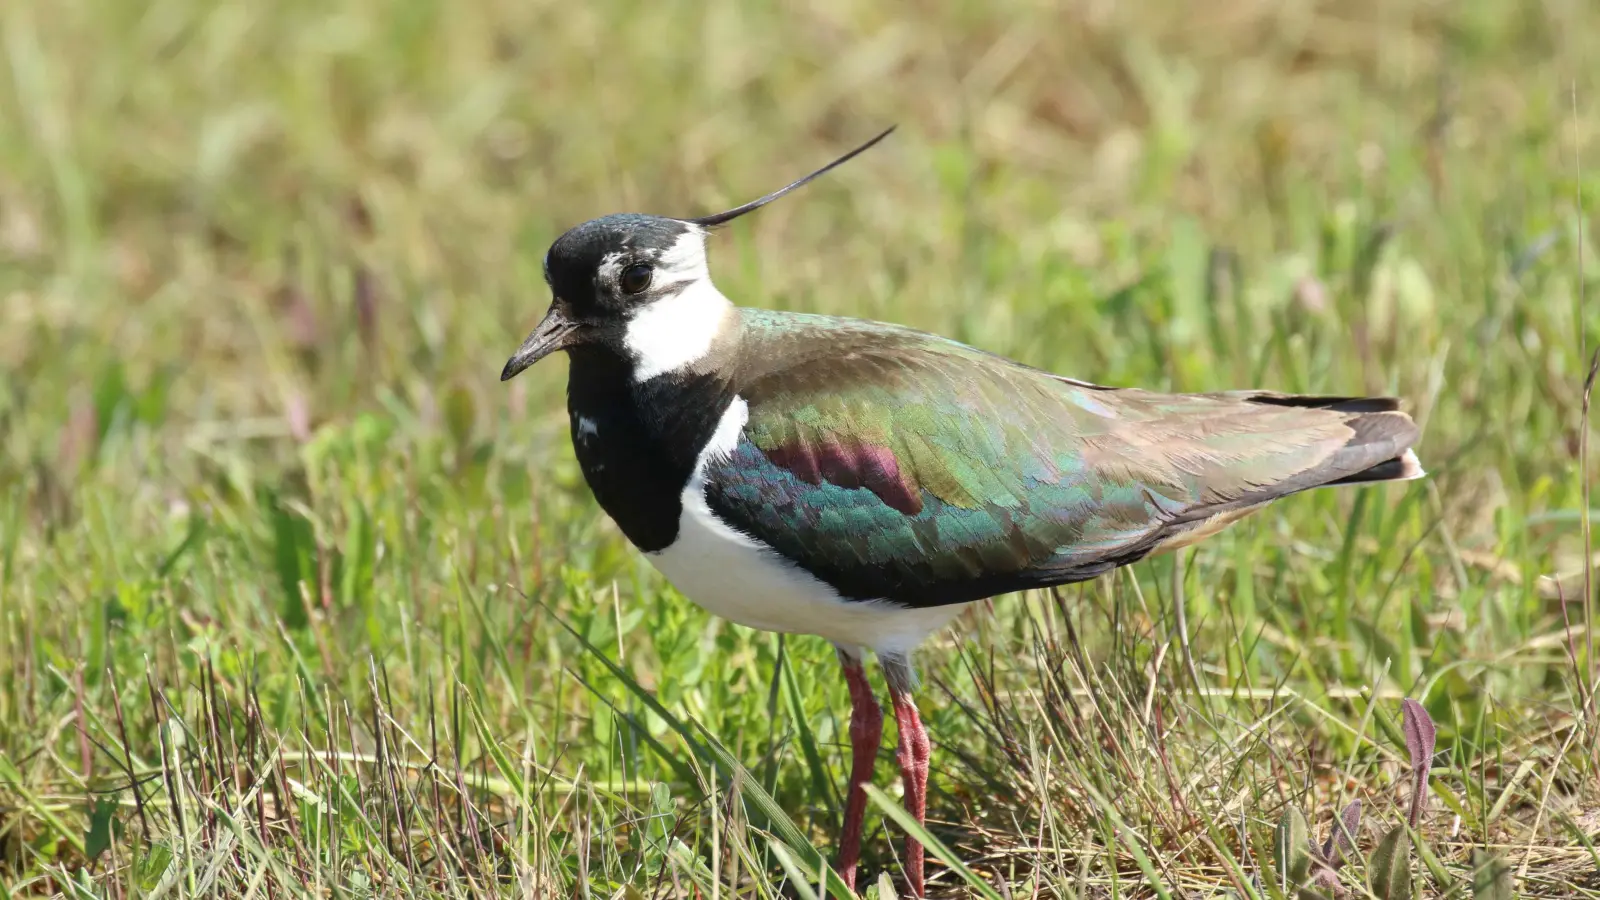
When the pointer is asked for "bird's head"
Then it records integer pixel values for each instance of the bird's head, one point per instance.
(639, 286)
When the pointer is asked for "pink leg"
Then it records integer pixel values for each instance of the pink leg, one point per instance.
(866, 733)
(913, 756)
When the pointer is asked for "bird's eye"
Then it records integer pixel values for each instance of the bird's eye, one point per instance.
(634, 279)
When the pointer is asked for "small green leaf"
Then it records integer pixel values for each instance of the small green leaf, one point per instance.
(1291, 855)
(293, 548)
(1390, 866)
(658, 826)
(150, 868)
(1491, 877)
(101, 819)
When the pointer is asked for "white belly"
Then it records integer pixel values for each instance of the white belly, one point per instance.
(740, 579)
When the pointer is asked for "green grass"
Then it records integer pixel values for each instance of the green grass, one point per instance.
(297, 599)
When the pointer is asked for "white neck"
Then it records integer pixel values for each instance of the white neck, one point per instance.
(678, 330)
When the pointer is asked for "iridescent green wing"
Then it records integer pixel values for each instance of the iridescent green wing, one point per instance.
(899, 465)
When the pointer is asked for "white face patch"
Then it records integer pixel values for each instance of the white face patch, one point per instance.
(678, 328)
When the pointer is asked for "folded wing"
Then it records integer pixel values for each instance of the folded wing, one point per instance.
(902, 466)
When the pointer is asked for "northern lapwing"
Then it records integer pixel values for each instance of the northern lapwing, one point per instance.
(866, 482)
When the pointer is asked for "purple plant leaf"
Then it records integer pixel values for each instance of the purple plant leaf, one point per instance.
(1326, 876)
(1420, 736)
(1349, 824)
(1342, 836)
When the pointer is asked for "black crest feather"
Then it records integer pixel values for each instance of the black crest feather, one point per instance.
(720, 218)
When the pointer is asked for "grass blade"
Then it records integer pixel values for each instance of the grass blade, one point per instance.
(709, 750)
(821, 784)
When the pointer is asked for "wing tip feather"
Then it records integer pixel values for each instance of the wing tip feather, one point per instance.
(1410, 467)
(1405, 467)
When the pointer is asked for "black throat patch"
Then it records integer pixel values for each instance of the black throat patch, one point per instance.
(638, 443)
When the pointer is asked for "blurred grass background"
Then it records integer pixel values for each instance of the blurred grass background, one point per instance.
(296, 598)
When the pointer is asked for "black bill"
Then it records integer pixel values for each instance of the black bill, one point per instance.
(553, 333)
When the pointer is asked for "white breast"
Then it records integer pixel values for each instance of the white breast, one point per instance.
(743, 580)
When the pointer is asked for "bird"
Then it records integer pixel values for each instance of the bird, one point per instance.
(866, 482)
